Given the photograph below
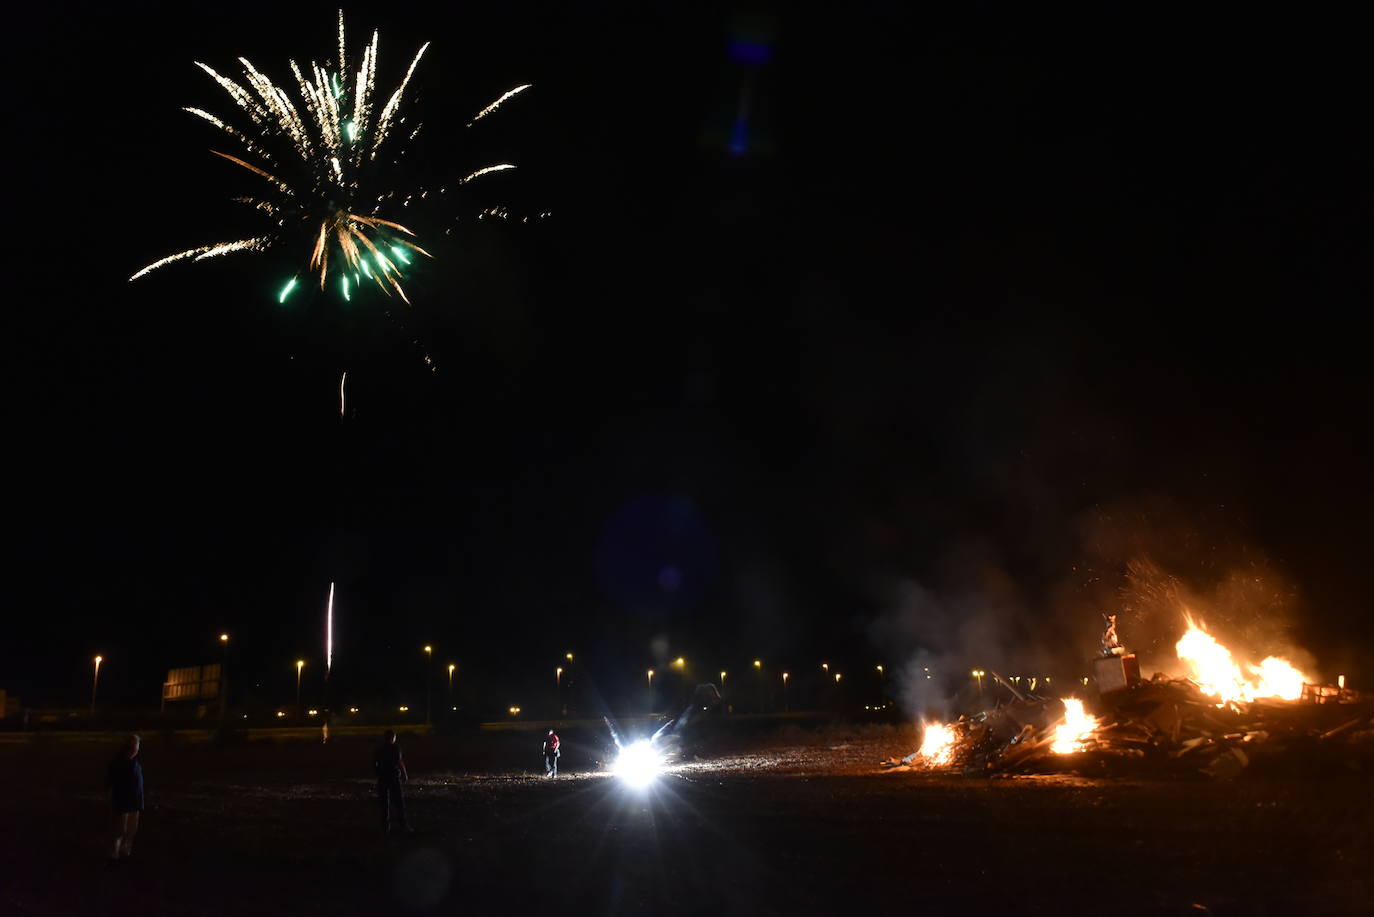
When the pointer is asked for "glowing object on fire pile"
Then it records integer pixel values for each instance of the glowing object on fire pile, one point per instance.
(1210, 665)
(638, 764)
(937, 744)
(1077, 728)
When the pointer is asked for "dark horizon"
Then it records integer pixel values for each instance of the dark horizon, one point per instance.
(963, 317)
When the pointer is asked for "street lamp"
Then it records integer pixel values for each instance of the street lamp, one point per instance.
(429, 656)
(300, 664)
(651, 678)
(838, 676)
(784, 691)
(223, 677)
(558, 677)
(978, 674)
(569, 657)
(880, 671)
(451, 667)
(95, 682)
(825, 666)
(722, 680)
(758, 663)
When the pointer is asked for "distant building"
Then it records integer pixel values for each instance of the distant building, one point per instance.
(191, 683)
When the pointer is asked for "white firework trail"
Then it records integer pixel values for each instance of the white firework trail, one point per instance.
(497, 104)
(329, 633)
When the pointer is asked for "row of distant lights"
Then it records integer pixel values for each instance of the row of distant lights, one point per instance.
(1032, 680)
(314, 712)
(680, 662)
(514, 711)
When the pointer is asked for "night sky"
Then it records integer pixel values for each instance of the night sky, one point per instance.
(830, 310)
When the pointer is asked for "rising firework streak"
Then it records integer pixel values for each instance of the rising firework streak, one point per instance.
(329, 633)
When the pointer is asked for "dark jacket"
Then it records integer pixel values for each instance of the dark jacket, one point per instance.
(387, 762)
(124, 777)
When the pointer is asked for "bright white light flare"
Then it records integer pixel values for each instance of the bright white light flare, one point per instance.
(638, 764)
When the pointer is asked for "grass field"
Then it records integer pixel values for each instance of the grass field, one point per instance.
(799, 823)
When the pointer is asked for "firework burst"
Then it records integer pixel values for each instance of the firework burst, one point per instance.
(324, 160)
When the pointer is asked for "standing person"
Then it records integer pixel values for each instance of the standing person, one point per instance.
(124, 777)
(551, 754)
(390, 768)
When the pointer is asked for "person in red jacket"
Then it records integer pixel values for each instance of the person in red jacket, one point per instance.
(551, 754)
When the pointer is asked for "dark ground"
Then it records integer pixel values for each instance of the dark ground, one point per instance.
(803, 827)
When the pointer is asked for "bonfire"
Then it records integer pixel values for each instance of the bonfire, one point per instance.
(1219, 718)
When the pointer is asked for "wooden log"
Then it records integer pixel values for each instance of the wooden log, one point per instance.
(1341, 728)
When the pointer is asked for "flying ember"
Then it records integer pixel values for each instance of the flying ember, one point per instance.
(1211, 666)
(326, 164)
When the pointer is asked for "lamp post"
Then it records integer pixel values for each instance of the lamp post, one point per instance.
(784, 692)
(429, 656)
(451, 667)
(223, 677)
(300, 664)
(722, 681)
(95, 682)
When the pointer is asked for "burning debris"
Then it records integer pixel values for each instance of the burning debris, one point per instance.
(1217, 674)
(937, 744)
(1074, 734)
(1218, 720)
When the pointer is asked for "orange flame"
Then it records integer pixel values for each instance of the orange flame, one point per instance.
(1077, 728)
(1211, 665)
(937, 744)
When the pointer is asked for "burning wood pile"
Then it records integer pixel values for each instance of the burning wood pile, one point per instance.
(1217, 721)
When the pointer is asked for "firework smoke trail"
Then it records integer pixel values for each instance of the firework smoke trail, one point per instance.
(324, 159)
